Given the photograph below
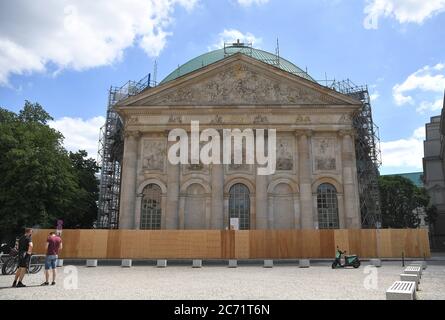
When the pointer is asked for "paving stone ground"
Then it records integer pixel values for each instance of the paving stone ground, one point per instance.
(219, 282)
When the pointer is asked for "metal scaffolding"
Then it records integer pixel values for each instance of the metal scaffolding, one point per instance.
(111, 149)
(367, 151)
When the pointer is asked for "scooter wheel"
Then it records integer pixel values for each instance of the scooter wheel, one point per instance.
(334, 265)
(356, 265)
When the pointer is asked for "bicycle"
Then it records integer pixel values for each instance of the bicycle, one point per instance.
(11, 264)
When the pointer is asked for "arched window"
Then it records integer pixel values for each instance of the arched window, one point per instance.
(327, 206)
(239, 205)
(151, 208)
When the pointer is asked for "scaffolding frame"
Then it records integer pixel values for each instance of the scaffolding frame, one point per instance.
(367, 152)
(110, 153)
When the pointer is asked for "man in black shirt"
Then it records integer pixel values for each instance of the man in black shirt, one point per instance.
(25, 250)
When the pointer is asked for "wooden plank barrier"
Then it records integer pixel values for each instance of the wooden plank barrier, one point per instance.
(251, 244)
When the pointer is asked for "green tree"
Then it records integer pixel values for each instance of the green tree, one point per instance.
(401, 203)
(423, 199)
(83, 212)
(39, 181)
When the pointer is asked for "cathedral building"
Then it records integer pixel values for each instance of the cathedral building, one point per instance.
(314, 184)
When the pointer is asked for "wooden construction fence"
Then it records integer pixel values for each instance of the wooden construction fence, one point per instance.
(252, 244)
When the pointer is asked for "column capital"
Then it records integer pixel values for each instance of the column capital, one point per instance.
(132, 133)
(131, 120)
(347, 132)
(304, 132)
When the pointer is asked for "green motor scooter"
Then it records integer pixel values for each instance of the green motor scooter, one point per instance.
(350, 260)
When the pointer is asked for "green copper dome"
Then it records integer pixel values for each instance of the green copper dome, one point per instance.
(217, 55)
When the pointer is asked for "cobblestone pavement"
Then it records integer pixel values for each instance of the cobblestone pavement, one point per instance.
(220, 282)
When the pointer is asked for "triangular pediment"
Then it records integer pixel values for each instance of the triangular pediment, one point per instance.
(239, 80)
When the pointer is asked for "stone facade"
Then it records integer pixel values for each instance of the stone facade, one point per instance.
(315, 145)
(434, 175)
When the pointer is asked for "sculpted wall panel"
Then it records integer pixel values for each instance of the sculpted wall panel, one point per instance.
(324, 154)
(195, 168)
(285, 153)
(154, 154)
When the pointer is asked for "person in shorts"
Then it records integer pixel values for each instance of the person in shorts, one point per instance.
(53, 246)
(24, 247)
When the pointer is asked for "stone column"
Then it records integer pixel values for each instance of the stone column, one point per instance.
(217, 203)
(208, 211)
(128, 184)
(226, 212)
(253, 218)
(270, 212)
(351, 201)
(164, 209)
(305, 177)
(297, 204)
(172, 214)
(181, 215)
(315, 206)
(341, 211)
(297, 212)
(261, 201)
(138, 211)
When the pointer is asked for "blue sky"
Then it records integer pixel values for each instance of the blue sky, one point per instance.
(66, 54)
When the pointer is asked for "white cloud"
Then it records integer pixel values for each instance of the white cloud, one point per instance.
(80, 134)
(248, 3)
(404, 11)
(232, 35)
(425, 79)
(404, 152)
(430, 106)
(374, 96)
(79, 34)
(430, 80)
(400, 99)
(420, 133)
(439, 66)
